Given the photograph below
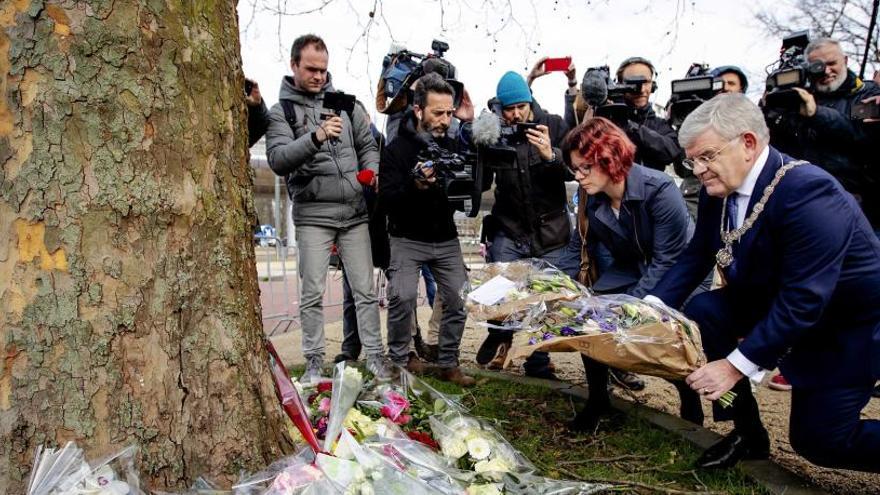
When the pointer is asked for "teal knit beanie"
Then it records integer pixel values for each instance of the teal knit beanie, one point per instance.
(512, 89)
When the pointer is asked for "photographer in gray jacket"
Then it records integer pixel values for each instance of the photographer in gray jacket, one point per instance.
(321, 153)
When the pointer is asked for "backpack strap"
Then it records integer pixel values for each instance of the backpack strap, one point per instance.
(289, 108)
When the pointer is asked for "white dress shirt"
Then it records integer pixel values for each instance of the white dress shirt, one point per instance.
(754, 372)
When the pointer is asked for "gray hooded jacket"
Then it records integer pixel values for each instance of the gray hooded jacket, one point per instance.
(322, 181)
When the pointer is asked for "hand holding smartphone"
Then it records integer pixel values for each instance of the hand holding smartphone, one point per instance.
(560, 64)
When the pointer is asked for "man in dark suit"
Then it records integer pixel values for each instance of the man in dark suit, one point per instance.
(800, 269)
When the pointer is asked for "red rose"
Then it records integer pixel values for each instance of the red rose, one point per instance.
(324, 387)
(424, 438)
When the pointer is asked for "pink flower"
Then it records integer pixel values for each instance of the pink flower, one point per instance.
(403, 419)
(395, 406)
(324, 405)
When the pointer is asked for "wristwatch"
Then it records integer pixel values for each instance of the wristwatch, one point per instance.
(552, 157)
(572, 84)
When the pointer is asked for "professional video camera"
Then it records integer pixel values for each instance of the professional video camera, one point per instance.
(401, 68)
(460, 176)
(792, 70)
(607, 95)
(697, 87)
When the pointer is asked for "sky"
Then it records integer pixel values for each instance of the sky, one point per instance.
(486, 41)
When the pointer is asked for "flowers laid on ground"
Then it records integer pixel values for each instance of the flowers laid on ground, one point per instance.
(505, 293)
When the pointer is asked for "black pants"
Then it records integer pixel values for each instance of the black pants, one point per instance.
(824, 424)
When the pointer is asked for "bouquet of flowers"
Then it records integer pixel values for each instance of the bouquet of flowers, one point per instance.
(508, 291)
(618, 330)
(65, 471)
(475, 446)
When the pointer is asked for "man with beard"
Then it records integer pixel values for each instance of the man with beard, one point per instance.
(821, 130)
(422, 228)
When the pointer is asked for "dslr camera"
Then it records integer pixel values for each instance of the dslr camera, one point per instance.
(460, 176)
(697, 87)
(792, 70)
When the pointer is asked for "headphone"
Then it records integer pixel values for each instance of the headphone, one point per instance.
(638, 60)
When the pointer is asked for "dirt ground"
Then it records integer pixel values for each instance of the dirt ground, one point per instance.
(659, 395)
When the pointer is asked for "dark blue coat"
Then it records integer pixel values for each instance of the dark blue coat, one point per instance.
(652, 231)
(808, 271)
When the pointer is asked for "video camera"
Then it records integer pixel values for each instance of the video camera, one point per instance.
(460, 176)
(792, 71)
(401, 68)
(697, 87)
(607, 95)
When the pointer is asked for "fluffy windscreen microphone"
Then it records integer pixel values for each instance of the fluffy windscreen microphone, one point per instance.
(365, 176)
(486, 129)
(594, 87)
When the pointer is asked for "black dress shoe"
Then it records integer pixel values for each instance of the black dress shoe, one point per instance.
(489, 348)
(626, 380)
(587, 420)
(733, 448)
(345, 356)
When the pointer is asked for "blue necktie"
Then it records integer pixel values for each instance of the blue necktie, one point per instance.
(732, 210)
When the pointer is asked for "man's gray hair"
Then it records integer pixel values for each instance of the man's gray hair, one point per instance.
(819, 43)
(729, 115)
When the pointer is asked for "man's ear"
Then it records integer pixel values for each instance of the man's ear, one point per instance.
(752, 143)
(292, 66)
(418, 111)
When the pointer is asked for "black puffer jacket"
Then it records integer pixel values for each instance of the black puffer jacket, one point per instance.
(656, 141)
(530, 197)
(833, 141)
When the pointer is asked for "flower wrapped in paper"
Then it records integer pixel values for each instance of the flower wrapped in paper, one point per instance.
(618, 330)
(347, 385)
(65, 471)
(508, 291)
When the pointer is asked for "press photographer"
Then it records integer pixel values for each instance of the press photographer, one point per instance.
(519, 146)
(818, 126)
(413, 189)
(626, 102)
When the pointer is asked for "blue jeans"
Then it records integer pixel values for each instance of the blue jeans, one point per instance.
(430, 284)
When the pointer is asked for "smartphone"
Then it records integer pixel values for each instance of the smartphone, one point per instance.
(557, 64)
(521, 130)
(861, 111)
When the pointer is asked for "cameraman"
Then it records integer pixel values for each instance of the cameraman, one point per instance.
(529, 218)
(320, 158)
(422, 229)
(734, 80)
(656, 141)
(821, 130)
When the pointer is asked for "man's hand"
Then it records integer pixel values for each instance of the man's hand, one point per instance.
(537, 71)
(571, 74)
(540, 139)
(876, 101)
(714, 379)
(427, 179)
(808, 102)
(254, 98)
(465, 111)
(330, 128)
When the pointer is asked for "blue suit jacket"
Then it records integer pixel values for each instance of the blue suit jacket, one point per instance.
(807, 274)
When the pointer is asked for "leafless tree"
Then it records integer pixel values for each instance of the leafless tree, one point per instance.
(847, 21)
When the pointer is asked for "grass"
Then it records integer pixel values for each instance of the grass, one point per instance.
(625, 448)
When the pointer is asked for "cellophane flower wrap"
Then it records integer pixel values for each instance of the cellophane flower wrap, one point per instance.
(65, 471)
(506, 292)
(618, 330)
(347, 385)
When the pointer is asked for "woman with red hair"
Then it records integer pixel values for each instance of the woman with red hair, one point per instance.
(633, 225)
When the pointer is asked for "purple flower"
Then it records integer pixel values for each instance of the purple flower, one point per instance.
(664, 318)
(547, 336)
(567, 331)
(607, 326)
(533, 341)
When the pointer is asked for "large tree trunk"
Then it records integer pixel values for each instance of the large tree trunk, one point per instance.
(129, 308)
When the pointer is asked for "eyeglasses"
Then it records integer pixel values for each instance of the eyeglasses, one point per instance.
(706, 159)
(583, 169)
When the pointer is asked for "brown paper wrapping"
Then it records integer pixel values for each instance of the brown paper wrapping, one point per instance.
(502, 311)
(657, 349)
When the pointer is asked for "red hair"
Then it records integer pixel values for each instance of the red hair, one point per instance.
(602, 144)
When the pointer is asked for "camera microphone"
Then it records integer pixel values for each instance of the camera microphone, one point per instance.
(486, 129)
(594, 87)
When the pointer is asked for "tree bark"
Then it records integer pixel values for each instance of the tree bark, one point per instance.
(129, 304)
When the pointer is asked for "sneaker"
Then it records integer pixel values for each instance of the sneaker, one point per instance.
(626, 380)
(344, 356)
(314, 369)
(779, 382)
(454, 375)
(497, 362)
(376, 365)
